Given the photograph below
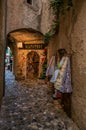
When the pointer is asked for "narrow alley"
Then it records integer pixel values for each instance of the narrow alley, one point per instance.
(28, 105)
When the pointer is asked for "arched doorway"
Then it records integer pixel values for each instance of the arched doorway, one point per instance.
(22, 41)
(32, 65)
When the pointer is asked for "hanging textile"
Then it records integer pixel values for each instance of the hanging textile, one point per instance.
(63, 80)
(51, 67)
(55, 74)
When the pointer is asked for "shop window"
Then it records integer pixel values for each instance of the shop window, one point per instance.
(29, 1)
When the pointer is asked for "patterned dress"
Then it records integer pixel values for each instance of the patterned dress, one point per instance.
(63, 81)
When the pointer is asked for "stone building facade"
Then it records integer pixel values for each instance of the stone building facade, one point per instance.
(71, 36)
(21, 14)
(24, 16)
(36, 15)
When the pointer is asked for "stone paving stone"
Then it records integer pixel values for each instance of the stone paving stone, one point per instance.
(28, 105)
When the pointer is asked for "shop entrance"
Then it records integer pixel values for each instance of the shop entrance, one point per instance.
(32, 65)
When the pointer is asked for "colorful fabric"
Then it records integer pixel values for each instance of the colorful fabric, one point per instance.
(51, 68)
(63, 81)
(54, 77)
(66, 81)
(55, 74)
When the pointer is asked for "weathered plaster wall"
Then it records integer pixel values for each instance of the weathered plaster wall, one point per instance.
(2, 46)
(46, 17)
(23, 15)
(20, 14)
(78, 41)
(72, 37)
(63, 38)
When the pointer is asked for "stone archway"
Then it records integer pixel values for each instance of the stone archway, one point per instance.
(22, 41)
(32, 65)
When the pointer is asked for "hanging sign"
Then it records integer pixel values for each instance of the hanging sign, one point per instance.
(33, 46)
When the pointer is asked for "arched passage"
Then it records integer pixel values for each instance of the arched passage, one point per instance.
(26, 44)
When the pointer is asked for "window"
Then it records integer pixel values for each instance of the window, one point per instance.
(29, 1)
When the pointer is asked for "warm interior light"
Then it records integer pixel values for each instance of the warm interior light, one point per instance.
(19, 44)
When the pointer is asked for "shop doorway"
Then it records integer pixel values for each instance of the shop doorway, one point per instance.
(8, 59)
(32, 65)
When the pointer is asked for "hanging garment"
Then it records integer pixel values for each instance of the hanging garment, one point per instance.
(66, 81)
(51, 67)
(63, 81)
(55, 74)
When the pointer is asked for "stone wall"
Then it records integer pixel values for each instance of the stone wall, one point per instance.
(46, 17)
(23, 15)
(72, 37)
(2, 46)
(20, 14)
(63, 38)
(78, 40)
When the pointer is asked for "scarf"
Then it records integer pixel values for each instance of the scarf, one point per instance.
(55, 74)
(59, 80)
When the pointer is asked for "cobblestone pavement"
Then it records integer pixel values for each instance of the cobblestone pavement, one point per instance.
(28, 105)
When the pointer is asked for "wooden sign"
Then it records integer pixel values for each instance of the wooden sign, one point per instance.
(33, 46)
